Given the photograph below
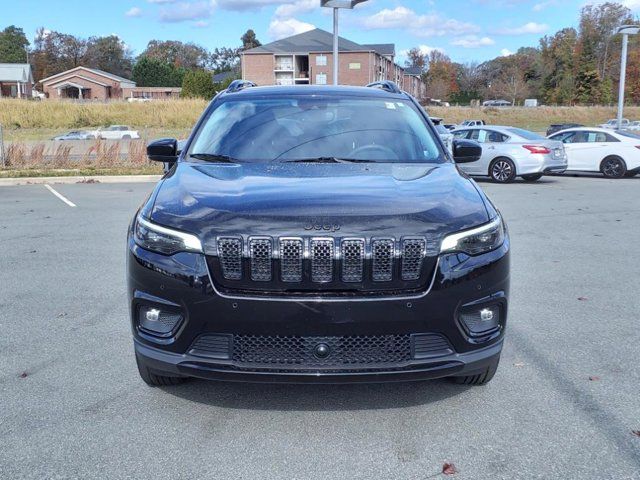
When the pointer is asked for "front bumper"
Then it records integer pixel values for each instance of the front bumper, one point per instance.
(181, 282)
(185, 365)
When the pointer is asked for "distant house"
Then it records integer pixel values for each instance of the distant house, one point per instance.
(16, 80)
(92, 84)
(307, 59)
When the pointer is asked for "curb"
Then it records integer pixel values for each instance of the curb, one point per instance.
(5, 182)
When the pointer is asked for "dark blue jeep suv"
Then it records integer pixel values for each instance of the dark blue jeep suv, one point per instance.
(316, 234)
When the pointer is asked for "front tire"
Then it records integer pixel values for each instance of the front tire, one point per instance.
(613, 167)
(532, 178)
(502, 170)
(154, 380)
(481, 378)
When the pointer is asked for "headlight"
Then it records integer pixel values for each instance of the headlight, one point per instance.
(164, 240)
(477, 240)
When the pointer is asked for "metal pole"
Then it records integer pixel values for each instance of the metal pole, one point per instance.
(336, 65)
(623, 74)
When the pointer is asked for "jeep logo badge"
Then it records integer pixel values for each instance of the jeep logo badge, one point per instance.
(320, 226)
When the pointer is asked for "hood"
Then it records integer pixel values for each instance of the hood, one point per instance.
(306, 199)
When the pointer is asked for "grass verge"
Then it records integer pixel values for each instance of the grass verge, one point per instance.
(80, 172)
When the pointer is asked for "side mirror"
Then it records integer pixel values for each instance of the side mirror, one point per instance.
(465, 151)
(163, 150)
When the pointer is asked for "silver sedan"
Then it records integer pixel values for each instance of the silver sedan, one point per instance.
(509, 152)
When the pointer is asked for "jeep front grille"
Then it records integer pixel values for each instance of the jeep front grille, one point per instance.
(322, 260)
(352, 260)
(291, 253)
(230, 252)
(323, 264)
(383, 254)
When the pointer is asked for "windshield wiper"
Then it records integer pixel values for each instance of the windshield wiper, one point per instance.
(329, 160)
(213, 157)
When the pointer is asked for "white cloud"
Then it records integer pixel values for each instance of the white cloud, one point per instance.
(201, 24)
(187, 11)
(538, 7)
(279, 28)
(473, 41)
(302, 6)
(424, 50)
(243, 5)
(526, 29)
(505, 52)
(133, 12)
(427, 25)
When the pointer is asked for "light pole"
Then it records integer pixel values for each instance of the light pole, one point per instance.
(337, 4)
(625, 30)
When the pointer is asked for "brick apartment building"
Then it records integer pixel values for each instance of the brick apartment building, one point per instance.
(307, 59)
(85, 83)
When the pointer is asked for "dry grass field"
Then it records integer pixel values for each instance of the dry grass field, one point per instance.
(28, 124)
(40, 120)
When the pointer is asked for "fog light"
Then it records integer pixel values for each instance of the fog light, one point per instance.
(157, 321)
(481, 321)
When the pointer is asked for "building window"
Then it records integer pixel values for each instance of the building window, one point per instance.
(355, 66)
(321, 79)
(321, 61)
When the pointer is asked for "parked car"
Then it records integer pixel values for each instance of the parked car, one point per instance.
(496, 103)
(613, 124)
(446, 136)
(273, 253)
(472, 123)
(450, 126)
(116, 132)
(509, 152)
(74, 135)
(556, 127)
(615, 154)
(633, 126)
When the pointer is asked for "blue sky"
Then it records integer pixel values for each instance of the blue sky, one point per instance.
(466, 30)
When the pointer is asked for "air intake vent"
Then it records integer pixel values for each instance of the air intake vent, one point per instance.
(212, 346)
(230, 252)
(430, 345)
(260, 250)
(291, 253)
(383, 253)
(322, 260)
(352, 260)
(413, 251)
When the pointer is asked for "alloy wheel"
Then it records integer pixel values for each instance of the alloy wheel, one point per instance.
(502, 171)
(612, 168)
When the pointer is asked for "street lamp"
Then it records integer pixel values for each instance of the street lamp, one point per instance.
(337, 4)
(625, 30)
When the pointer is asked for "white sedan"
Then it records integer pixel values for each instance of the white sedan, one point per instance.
(116, 132)
(614, 153)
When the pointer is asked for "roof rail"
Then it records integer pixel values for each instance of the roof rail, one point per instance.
(238, 85)
(387, 85)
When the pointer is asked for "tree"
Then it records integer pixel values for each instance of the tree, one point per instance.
(224, 59)
(249, 40)
(55, 52)
(109, 54)
(179, 54)
(441, 76)
(13, 45)
(151, 72)
(416, 59)
(198, 84)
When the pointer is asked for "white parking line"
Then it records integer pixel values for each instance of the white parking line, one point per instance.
(60, 196)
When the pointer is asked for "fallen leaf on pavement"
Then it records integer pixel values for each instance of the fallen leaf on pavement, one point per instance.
(449, 469)
(24, 375)
(636, 432)
(583, 299)
(594, 378)
(518, 364)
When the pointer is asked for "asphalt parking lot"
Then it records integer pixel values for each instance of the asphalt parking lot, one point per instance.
(564, 403)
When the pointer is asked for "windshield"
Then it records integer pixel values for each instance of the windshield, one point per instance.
(526, 134)
(299, 128)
